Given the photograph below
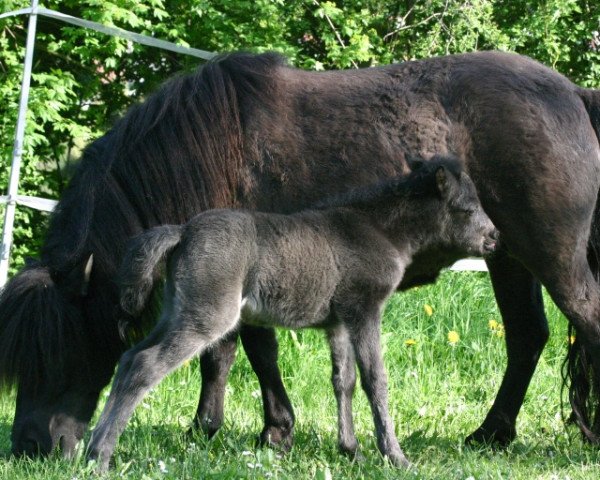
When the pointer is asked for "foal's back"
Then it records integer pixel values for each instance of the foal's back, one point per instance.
(286, 269)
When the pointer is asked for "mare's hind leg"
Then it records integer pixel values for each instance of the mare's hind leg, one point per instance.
(260, 345)
(343, 378)
(519, 299)
(174, 340)
(214, 367)
(576, 292)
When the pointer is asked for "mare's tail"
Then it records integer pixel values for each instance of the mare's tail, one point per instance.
(139, 271)
(579, 372)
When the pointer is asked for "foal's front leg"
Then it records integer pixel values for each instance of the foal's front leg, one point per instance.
(343, 378)
(364, 328)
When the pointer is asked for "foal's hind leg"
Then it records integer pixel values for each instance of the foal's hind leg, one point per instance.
(519, 299)
(343, 378)
(172, 341)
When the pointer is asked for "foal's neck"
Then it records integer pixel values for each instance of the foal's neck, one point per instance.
(411, 224)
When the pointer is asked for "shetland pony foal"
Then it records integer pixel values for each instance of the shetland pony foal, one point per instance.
(330, 268)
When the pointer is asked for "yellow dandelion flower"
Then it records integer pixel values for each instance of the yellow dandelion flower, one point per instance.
(428, 310)
(186, 363)
(496, 328)
(453, 337)
(410, 342)
(571, 339)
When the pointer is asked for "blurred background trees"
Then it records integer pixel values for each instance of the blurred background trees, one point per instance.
(83, 80)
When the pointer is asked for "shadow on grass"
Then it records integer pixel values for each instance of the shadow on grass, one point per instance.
(176, 440)
(5, 428)
(551, 455)
(420, 439)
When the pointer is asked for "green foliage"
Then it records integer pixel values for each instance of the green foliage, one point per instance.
(83, 80)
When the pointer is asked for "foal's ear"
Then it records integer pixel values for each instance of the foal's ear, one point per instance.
(30, 262)
(445, 182)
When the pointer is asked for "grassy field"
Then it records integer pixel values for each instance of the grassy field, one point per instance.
(440, 391)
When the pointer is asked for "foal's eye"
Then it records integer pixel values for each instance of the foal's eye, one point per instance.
(466, 211)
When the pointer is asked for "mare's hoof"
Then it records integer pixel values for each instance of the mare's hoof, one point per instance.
(209, 426)
(280, 438)
(496, 438)
(196, 430)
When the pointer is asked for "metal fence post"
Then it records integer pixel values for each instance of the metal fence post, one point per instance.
(13, 185)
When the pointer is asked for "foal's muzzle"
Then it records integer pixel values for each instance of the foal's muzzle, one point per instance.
(491, 242)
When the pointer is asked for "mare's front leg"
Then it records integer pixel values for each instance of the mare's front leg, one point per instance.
(343, 378)
(519, 299)
(364, 327)
(214, 367)
(260, 345)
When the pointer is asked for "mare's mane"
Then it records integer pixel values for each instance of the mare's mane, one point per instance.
(175, 154)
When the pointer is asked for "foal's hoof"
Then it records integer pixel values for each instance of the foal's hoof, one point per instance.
(98, 462)
(352, 452)
(397, 459)
(497, 438)
(68, 446)
(280, 438)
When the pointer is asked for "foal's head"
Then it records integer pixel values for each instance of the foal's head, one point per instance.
(457, 222)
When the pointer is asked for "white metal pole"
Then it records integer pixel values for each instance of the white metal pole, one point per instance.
(13, 185)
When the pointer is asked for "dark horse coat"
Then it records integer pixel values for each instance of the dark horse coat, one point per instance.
(249, 131)
(330, 268)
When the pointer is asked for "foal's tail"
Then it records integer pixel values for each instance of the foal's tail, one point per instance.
(139, 271)
(579, 371)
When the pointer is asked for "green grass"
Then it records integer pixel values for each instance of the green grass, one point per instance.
(439, 393)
